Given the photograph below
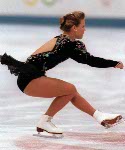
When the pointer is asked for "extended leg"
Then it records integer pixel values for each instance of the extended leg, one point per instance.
(106, 119)
(79, 102)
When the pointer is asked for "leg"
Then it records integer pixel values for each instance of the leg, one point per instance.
(79, 102)
(50, 87)
(58, 103)
(63, 91)
(105, 119)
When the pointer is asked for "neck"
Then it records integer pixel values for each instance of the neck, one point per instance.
(70, 35)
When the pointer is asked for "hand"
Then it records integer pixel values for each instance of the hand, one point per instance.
(119, 65)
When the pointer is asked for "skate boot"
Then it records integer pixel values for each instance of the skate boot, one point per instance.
(45, 124)
(107, 120)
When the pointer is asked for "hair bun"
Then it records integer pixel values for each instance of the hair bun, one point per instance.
(64, 21)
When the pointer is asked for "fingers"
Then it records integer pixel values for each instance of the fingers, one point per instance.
(119, 65)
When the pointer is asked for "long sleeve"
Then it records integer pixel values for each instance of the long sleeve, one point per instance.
(80, 54)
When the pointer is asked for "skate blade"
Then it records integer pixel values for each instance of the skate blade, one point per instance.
(111, 123)
(54, 135)
(49, 135)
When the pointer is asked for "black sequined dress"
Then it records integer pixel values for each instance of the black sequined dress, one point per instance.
(37, 65)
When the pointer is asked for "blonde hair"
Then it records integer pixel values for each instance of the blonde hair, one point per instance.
(74, 18)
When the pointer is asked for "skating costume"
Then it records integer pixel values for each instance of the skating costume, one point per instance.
(37, 65)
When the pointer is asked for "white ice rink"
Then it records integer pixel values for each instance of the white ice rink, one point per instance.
(103, 88)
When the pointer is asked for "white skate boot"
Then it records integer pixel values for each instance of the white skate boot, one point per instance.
(45, 124)
(107, 120)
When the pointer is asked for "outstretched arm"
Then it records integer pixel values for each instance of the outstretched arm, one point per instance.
(81, 55)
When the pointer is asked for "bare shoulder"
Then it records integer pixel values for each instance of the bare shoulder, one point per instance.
(48, 46)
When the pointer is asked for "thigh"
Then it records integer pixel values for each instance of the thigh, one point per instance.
(49, 87)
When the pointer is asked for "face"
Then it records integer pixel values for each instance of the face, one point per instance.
(80, 29)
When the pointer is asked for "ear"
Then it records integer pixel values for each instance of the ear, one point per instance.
(74, 28)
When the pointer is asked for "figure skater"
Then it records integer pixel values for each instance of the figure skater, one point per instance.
(32, 79)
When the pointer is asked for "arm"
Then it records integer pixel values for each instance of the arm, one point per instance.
(81, 55)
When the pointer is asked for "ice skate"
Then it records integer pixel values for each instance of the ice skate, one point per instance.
(107, 120)
(46, 125)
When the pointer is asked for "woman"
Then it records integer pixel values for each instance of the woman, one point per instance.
(33, 81)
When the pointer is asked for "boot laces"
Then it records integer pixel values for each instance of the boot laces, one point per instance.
(49, 120)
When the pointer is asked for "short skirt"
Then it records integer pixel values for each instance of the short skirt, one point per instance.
(30, 73)
(26, 72)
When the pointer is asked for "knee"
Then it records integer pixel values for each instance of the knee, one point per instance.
(71, 88)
